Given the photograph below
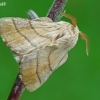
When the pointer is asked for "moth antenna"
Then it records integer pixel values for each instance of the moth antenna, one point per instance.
(72, 18)
(85, 37)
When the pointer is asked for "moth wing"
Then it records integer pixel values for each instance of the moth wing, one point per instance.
(37, 66)
(43, 19)
(24, 35)
(11, 30)
(31, 40)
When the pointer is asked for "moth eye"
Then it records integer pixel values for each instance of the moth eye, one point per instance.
(72, 27)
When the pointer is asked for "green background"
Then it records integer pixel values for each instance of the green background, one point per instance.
(79, 77)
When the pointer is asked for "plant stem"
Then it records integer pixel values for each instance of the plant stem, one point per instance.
(55, 9)
(53, 13)
(16, 89)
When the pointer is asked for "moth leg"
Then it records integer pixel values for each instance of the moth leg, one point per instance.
(72, 18)
(32, 15)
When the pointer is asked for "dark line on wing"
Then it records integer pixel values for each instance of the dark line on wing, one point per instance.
(20, 33)
(49, 61)
(35, 30)
(38, 66)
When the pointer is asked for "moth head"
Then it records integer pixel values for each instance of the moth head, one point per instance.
(82, 35)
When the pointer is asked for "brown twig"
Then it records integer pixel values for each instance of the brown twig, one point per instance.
(54, 12)
(16, 90)
(56, 8)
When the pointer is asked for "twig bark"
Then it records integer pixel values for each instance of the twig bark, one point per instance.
(16, 89)
(55, 9)
(53, 13)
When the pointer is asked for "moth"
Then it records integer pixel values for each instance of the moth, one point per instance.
(40, 45)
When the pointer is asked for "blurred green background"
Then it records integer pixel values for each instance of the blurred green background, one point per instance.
(79, 77)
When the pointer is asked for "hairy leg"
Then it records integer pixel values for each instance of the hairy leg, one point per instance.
(32, 15)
